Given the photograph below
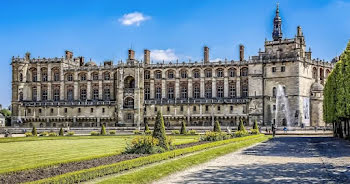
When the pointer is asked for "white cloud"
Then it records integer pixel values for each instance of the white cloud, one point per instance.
(163, 55)
(216, 60)
(134, 18)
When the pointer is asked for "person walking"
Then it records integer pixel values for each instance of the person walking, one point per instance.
(273, 129)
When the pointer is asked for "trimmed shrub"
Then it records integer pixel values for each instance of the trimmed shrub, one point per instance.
(28, 134)
(71, 133)
(144, 145)
(254, 131)
(159, 131)
(175, 132)
(112, 132)
(214, 136)
(103, 130)
(44, 134)
(241, 126)
(183, 130)
(137, 132)
(256, 125)
(34, 133)
(217, 127)
(148, 132)
(192, 132)
(61, 133)
(94, 133)
(52, 134)
(240, 133)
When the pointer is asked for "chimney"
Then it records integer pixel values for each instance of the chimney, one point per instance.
(131, 55)
(241, 52)
(147, 57)
(206, 54)
(69, 55)
(81, 60)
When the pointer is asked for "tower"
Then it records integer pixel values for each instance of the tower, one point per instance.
(277, 26)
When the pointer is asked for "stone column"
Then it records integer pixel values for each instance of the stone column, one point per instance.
(226, 87)
(38, 73)
(163, 89)
(61, 83)
(238, 87)
(151, 86)
(38, 96)
(189, 89)
(49, 91)
(213, 86)
(88, 90)
(177, 88)
(202, 88)
(100, 90)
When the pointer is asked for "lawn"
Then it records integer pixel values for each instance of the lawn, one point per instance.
(42, 151)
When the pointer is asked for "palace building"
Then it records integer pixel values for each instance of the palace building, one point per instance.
(281, 84)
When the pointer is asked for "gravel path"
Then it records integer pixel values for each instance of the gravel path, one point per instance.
(280, 160)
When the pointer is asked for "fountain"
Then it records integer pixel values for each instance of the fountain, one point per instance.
(282, 107)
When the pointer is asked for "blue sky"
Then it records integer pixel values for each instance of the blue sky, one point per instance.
(172, 29)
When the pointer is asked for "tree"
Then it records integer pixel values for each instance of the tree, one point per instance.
(159, 131)
(61, 133)
(183, 128)
(146, 127)
(34, 133)
(103, 130)
(217, 127)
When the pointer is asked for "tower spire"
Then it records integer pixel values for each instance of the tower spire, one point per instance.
(277, 25)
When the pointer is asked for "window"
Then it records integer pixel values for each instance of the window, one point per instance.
(79, 110)
(208, 91)
(56, 94)
(244, 71)
(158, 74)
(147, 93)
(171, 92)
(196, 91)
(183, 92)
(103, 110)
(39, 111)
(35, 76)
(95, 76)
(70, 94)
(65, 110)
(284, 90)
(274, 107)
(219, 73)
(56, 76)
(83, 94)
(208, 73)
(274, 92)
(155, 109)
(83, 77)
(34, 93)
(69, 77)
(91, 110)
(44, 76)
(29, 111)
(21, 77)
(314, 73)
(273, 69)
(129, 102)
(196, 74)
(147, 75)
(183, 74)
(231, 108)
(220, 92)
(129, 116)
(206, 108)
(181, 108)
(51, 111)
(170, 74)
(194, 108)
(106, 94)
(95, 94)
(168, 109)
(219, 108)
(244, 88)
(232, 72)
(106, 76)
(283, 68)
(21, 96)
(158, 93)
(233, 90)
(44, 95)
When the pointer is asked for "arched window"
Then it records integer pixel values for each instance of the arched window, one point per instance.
(83, 94)
(56, 94)
(129, 82)
(196, 74)
(106, 93)
(208, 90)
(20, 98)
(56, 74)
(129, 102)
(147, 92)
(171, 74)
(232, 72)
(220, 90)
(232, 87)
(219, 73)
(170, 91)
(327, 72)
(70, 94)
(208, 73)
(21, 77)
(44, 74)
(183, 74)
(34, 75)
(44, 94)
(95, 76)
(183, 91)
(69, 77)
(158, 74)
(274, 93)
(106, 76)
(95, 93)
(158, 92)
(244, 84)
(147, 74)
(244, 71)
(83, 76)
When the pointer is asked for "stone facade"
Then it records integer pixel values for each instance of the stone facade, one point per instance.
(53, 92)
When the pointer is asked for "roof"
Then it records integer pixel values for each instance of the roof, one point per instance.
(317, 87)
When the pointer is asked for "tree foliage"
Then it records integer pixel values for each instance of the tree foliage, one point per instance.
(183, 130)
(61, 133)
(241, 126)
(159, 131)
(103, 130)
(34, 132)
(217, 127)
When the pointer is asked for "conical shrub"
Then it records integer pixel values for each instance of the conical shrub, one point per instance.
(34, 133)
(146, 127)
(183, 130)
(217, 127)
(159, 131)
(103, 130)
(241, 126)
(61, 133)
(255, 125)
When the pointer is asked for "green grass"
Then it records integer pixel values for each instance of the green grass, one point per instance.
(33, 152)
(149, 174)
(92, 173)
